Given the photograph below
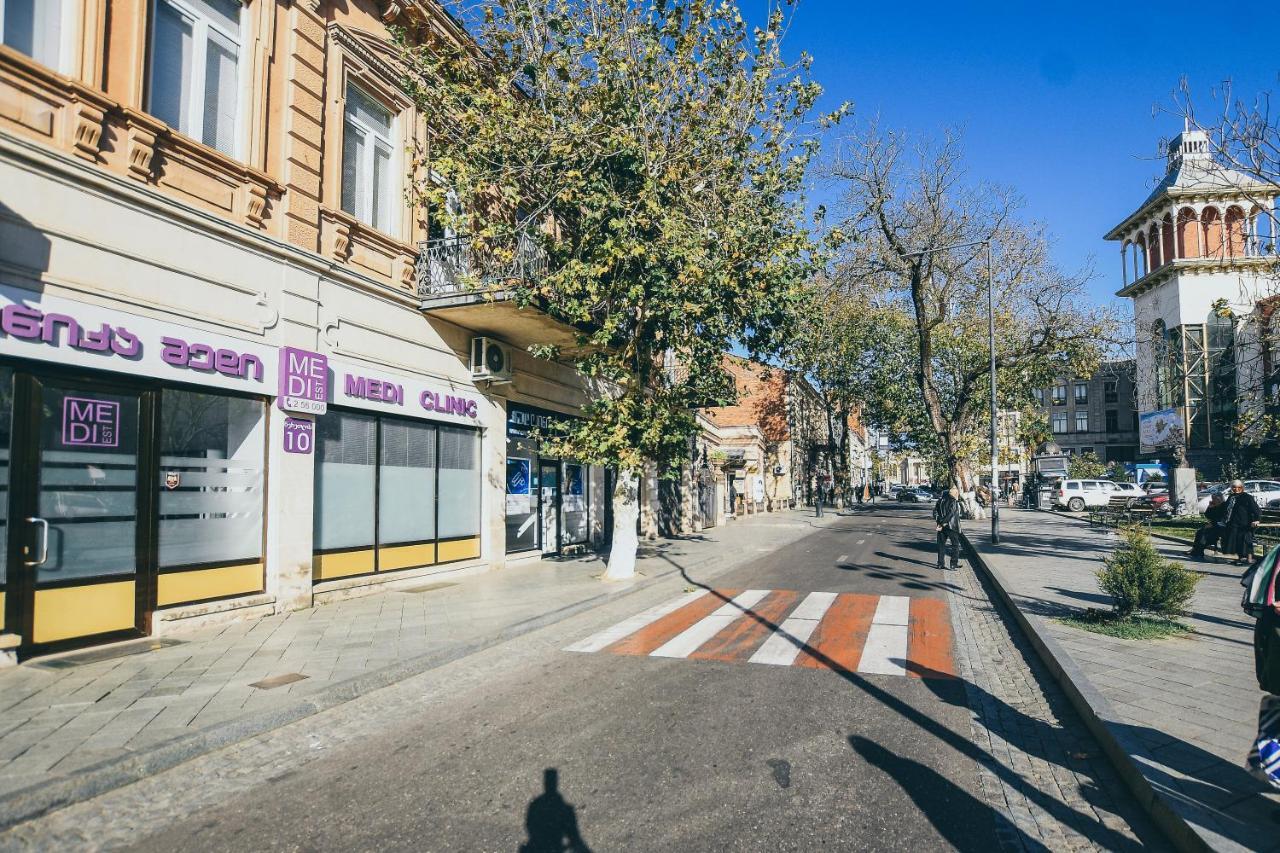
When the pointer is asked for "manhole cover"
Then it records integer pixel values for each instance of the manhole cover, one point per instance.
(278, 680)
(118, 650)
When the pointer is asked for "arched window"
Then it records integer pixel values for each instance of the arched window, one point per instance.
(1189, 234)
(1140, 257)
(1163, 365)
(1211, 221)
(1153, 246)
(1233, 225)
(1166, 239)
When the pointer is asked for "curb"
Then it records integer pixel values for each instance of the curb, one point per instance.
(1126, 753)
(42, 798)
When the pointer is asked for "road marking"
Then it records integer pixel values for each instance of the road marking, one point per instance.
(843, 558)
(784, 644)
(837, 642)
(651, 636)
(739, 640)
(611, 635)
(860, 541)
(885, 652)
(929, 643)
(688, 641)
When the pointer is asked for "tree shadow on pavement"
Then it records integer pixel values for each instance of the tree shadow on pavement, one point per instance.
(963, 821)
(1029, 737)
(552, 824)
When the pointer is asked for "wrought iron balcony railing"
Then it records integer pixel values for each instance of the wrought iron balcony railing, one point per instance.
(457, 265)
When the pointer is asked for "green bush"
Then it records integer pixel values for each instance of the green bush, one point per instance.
(1138, 579)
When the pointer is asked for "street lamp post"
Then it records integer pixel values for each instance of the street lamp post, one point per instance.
(991, 343)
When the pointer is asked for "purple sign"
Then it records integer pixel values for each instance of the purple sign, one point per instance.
(304, 381)
(87, 422)
(299, 435)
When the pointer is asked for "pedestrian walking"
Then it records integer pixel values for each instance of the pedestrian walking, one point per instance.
(946, 520)
(1259, 601)
(1211, 533)
(1241, 516)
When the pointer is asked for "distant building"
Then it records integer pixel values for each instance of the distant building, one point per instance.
(1096, 414)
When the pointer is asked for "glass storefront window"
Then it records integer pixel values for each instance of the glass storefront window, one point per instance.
(574, 502)
(211, 478)
(459, 482)
(344, 486)
(406, 482)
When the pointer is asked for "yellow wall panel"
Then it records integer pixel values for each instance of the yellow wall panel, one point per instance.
(203, 584)
(459, 549)
(395, 557)
(1, 610)
(78, 611)
(329, 566)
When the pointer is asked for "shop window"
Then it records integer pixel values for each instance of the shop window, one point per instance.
(346, 472)
(195, 58)
(459, 483)
(574, 502)
(33, 27)
(368, 152)
(406, 483)
(212, 476)
(1082, 421)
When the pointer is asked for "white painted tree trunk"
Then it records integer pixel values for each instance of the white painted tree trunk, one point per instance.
(626, 511)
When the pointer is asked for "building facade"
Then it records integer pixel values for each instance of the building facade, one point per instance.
(1096, 414)
(233, 377)
(1197, 260)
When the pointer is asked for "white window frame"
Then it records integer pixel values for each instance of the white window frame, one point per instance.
(1054, 421)
(201, 28)
(1082, 414)
(364, 206)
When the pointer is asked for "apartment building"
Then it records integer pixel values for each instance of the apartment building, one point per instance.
(236, 375)
(1097, 414)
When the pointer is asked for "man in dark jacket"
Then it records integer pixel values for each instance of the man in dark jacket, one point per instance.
(946, 519)
(1241, 516)
(1211, 533)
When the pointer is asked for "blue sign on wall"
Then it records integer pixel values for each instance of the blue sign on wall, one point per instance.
(518, 480)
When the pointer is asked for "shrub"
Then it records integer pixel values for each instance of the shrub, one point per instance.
(1138, 579)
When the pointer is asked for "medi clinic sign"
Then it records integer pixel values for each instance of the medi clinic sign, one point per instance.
(304, 381)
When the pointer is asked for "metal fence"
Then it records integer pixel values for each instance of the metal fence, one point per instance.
(453, 265)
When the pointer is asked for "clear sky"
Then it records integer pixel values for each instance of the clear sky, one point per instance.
(1054, 99)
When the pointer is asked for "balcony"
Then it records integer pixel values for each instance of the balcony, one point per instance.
(474, 286)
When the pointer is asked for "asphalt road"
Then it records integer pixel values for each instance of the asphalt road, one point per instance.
(651, 753)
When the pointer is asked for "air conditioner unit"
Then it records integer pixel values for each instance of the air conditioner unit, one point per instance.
(490, 360)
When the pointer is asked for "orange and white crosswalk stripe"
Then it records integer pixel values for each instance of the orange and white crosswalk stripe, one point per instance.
(849, 632)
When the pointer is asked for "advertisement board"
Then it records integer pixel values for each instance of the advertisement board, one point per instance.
(1162, 428)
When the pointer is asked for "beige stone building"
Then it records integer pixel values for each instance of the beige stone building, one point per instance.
(235, 375)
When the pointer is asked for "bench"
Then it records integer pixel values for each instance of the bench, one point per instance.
(1118, 510)
(1267, 533)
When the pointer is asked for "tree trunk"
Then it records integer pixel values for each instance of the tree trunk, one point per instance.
(626, 512)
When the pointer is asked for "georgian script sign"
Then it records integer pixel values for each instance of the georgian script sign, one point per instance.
(299, 435)
(304, 381)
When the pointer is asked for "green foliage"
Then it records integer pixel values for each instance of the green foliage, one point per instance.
(1086, 466)
(1116, 472)
(1129, 628)
(656, 150)
(1139, 579)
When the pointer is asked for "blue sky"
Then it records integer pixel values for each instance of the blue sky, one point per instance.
(1055, 101)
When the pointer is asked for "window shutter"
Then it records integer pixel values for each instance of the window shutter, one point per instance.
(220, 86)
(171, 67)
(352, 154)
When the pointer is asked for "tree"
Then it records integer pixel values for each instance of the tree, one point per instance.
(906, 223)
(656, 150)
(1086, 466)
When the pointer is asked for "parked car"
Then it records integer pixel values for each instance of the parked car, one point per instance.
(1263, 491)
(1132, 491)
(1078, 495)
(914, 496)
(1275, 504)
(1203, 495)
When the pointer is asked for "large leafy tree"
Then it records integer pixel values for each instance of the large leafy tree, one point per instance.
(917, 235)
(655, 149)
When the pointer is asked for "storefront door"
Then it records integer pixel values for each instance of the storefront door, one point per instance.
(74, 486)
(549, 505)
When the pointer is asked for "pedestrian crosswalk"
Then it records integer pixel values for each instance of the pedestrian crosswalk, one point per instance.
(846, 632)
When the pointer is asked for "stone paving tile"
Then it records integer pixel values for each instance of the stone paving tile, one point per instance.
(180, 689)
(1191, 700)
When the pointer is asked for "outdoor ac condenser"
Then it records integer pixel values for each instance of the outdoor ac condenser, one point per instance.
(490, 360)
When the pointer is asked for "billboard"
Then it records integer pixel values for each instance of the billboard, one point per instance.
(1159, 429)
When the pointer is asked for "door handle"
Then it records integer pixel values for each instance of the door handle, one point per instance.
(44, 541)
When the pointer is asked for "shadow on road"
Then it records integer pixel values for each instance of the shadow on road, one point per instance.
(551, 822)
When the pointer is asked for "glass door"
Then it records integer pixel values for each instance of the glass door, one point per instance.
(549, 505)
(75, 536)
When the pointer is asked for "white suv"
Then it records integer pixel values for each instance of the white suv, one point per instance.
(1263, 491)
(1078, 495)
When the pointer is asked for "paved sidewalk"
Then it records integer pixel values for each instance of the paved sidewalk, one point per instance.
(69, 732)
(1183, 708)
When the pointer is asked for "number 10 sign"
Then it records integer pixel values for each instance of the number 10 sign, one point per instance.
(299, 435)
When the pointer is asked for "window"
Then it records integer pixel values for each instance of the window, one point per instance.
(1059, 422)
(1038, 393)
(33, 27)
(195, 58)
(1060, 395)
(1110, 393)
(1082, 392)
(1113, 420)
(211, 478)
(1082, 421)
(392, 493)
(368, 176)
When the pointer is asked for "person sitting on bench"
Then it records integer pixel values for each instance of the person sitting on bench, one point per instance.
(1211, 533)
